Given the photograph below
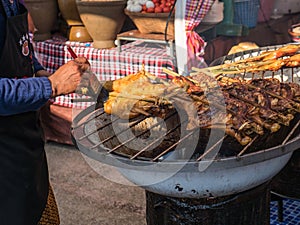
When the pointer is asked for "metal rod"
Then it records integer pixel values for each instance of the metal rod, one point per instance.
(291, 132)
(130, 139)
(73, 100)
(211, 148)
(247, 146)
(154, 142)
(114, 135)
(92, 132)
(89, 119)
(174, 145)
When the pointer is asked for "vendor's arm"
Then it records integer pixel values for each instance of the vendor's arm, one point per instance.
(21, 95)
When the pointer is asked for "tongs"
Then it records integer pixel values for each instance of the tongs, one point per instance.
(91, 86)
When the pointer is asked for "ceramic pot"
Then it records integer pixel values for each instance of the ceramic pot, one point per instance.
(44, 14)
(76, 29)
(103, 19)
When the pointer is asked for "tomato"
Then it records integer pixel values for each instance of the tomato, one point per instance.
(166, 9)
(144, 8)
(155, 1)
(168, 4)
(158, 9)
(162, 5)
(150, 10)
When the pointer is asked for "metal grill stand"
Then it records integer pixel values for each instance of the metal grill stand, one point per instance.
(287, 182)
(249, 207)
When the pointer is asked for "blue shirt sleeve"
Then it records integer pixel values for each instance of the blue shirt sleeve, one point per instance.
(23, 95)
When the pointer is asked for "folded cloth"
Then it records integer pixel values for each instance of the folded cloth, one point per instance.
(50, 214)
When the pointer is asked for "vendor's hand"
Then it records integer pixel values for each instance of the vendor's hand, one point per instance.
(66, 79)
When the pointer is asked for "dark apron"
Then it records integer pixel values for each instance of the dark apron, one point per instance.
(23, 166)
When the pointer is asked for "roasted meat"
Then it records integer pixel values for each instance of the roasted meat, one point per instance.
(244, 109)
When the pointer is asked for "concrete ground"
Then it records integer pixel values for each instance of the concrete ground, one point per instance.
(85, 197)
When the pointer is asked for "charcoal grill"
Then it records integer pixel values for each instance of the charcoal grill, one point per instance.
(184, 178)
(169, 174)
(173, 174)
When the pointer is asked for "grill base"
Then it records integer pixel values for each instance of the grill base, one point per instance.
(287, 182)
(249, 207)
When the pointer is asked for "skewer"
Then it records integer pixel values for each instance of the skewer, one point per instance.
(272, 61)
(172, 73)
(247, 146)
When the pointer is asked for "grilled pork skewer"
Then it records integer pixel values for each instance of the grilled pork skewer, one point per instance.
(266, 61)
(266, 112)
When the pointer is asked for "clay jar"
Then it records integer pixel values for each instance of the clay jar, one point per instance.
(44, 14)
(103, 19)
(76, 29)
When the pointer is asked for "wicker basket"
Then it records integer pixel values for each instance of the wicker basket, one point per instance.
(149, 23)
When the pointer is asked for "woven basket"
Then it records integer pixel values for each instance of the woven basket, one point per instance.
(151, 23)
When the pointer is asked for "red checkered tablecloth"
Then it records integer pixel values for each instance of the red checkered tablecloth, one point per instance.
(107, 64)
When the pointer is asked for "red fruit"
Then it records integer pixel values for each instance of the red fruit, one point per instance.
(166, 9)
(155, 1)
(158, 9)
(150, 10)
(144, 8)
(168, 4)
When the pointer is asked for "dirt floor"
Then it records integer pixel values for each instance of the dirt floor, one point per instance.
(85, 197)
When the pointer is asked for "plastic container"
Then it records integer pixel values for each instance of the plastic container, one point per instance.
(246, 12)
